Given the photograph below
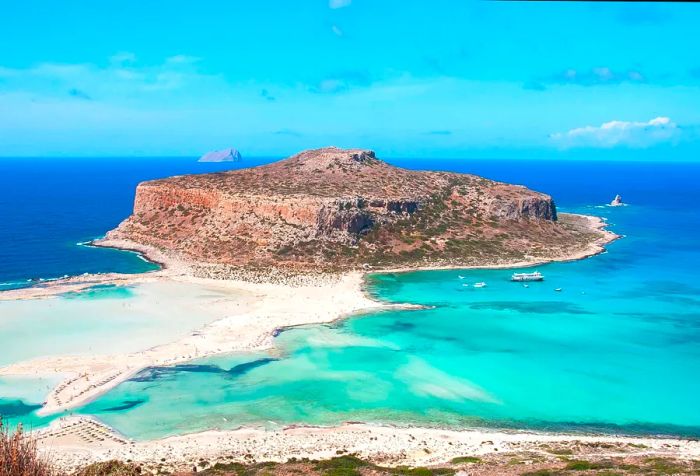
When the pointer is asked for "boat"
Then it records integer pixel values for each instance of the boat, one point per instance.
(460, 276)
(558, 290)
(480, 285)
(536, 276)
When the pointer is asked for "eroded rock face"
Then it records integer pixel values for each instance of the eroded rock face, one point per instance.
(337, 208)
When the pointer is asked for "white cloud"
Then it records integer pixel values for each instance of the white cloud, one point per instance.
(181, 59)
(123, 76)
(122, 57)
(339, 3)
(619, 133)
(600, 76)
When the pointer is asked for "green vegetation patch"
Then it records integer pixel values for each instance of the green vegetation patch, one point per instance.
(583, 465)
(403, 470)
(239, 469)
(110, 468)
(664, 466)
(543, 472)
(465, 459)
(347, 465)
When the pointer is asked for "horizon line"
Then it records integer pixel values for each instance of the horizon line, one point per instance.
(195, 158)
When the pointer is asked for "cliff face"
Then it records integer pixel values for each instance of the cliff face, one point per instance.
(334, 208)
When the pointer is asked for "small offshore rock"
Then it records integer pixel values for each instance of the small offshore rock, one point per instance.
(617, 201)
(225, 155)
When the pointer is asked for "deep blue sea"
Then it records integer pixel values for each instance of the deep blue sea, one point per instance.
(48, 206)
(616, 350)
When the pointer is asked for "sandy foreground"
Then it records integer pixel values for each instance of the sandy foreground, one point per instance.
(76, 441)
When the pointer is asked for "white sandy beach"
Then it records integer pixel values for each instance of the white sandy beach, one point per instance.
(247, 323)
(77, 441)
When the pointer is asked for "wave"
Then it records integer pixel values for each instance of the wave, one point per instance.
(32, 281)
(14, 283)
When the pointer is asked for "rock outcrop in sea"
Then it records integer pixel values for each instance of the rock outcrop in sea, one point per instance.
(336, 209)
(225, 155)
(617, 201)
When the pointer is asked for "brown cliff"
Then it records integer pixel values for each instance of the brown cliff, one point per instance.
(335, 209)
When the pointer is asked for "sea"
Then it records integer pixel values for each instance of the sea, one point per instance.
(608, 344)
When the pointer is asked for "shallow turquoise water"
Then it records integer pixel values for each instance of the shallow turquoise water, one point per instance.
(106, 319)
(101, 320)
(618, 349)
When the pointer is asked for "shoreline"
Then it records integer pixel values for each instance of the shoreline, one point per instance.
(140, 253)
(236, 330)
(595, 248)
(240, 332)
(284, 306)
(388, 445)
(171, 266)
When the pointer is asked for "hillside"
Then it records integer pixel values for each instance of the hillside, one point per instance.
(335, 209)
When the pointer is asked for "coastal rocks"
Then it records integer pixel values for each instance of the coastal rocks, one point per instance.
(530, 207)
(352, 221)
(343, 209)
(617, 202)
(225, 155)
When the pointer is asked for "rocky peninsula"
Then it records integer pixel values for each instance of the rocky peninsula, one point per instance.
(337, 210)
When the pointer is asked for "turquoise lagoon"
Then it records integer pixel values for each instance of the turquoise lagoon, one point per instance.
(102, 320)
(616, 350)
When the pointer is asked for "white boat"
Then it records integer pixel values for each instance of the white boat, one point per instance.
(558, 290)
(536, 276)
(480, 285)
(460, 276)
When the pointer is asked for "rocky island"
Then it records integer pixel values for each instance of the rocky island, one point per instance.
(224, 155)
(333, 209)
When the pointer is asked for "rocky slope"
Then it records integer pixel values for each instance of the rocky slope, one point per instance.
(335, 209)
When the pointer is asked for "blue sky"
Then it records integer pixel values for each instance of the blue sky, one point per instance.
(407, 78)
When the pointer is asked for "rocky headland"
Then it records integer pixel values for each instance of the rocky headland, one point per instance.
(337, 210)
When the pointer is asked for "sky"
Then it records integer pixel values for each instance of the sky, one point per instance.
(438, 78)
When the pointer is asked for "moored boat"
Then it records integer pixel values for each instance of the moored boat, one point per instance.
(536, 276)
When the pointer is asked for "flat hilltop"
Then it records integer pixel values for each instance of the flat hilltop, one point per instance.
(337, 209)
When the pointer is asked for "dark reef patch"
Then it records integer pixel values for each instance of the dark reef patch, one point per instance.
(153, 374)
(125, 405)
(400, 326)
(246, 367)
(662, 289)
(534, 307)
(16, 408)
